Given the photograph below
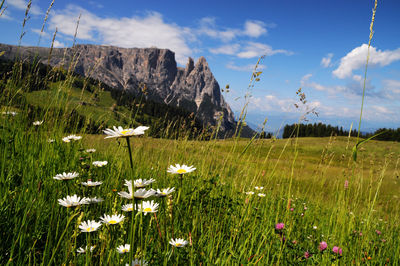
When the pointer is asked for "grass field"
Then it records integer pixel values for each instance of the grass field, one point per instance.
(303, 187)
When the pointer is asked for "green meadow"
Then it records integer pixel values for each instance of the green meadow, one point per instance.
(70, 195)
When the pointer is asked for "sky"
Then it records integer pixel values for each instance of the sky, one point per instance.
(319, 46)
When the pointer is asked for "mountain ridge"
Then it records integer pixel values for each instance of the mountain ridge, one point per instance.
(193, 88)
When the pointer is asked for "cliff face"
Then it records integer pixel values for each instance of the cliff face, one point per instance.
(193, 88)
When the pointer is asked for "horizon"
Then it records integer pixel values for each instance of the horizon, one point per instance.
(306, 45)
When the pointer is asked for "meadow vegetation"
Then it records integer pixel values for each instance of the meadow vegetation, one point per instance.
(245, 201)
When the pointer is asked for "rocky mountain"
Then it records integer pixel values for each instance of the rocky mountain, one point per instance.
(192, 88)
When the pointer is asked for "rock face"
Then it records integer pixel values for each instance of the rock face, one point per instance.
(193, 88)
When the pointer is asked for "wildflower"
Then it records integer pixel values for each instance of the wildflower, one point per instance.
(279, 226)
(90, 150)
(123, 248)
(164, 192)
(322, 246)
(138, 262)
(291, 209)
(120, 132)
(72, 201)
(89, 183)
(100, 163)
(89, 226)
(148, 206)
(139, 183)
(37, 123)
(346, 184)
(114, 219)
(71, 137)
(315, 227)
(83, 250)
(337, 250)
(139, 194)
(180, 169)
(249, 193)
(50, 140)
(127, 207)
(378, 232)
(10, 113)
(178, 242)
(261, 195)
(95, 200)
(258, 188)
(66, 176)
(307, 255)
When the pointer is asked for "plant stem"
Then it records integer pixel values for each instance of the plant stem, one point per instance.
(130, 152)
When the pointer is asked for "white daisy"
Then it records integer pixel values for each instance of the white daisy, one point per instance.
(95, 200)
(140, 193)
(250, 193)
(89, 226)
(127, 207)
(10, 113)
(89, 183)
(113, 219)
(37, 123)
(138, 262)
(90, 150)
(139, 183)
(123, 248)
(72, 201)
(143, 193)
(71, 137)
(148, 206)
(164, 192)
(120, 132)
(261, 195)
(50, 140)
(83, 250)
(178, 242)
(180, 169)
(259, 188)
(100, 163)
(66, 176)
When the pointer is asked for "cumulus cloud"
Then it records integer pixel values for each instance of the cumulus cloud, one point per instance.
(326, 61)
(256, 49)
(22, 4)
(141, 32)
(254, 28)
(356, 59)
(58, 44)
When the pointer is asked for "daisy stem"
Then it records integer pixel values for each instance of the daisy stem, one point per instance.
(141, 233)
(133, 227)
(130, 152)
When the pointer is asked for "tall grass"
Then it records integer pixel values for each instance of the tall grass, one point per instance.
(313, 187)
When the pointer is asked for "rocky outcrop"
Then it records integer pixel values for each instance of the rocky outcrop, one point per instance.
(193, 88)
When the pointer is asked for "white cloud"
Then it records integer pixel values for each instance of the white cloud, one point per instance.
(22, 4)
(38, 31)
(255, 49)
(245, 68)
(128, 32)
(357, 58)
(58, 44)
(326, 61)
(229, 49)
(254, 28)
(391, 88)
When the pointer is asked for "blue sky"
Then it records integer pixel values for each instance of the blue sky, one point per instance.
(318, 45)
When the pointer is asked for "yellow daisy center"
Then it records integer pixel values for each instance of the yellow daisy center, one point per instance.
(89, 229)
(181, 171)
(130, 209)
(123, 132)
(178, 244)
(125, 250)
(112, 222)
(163, 193)
(147, 210)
